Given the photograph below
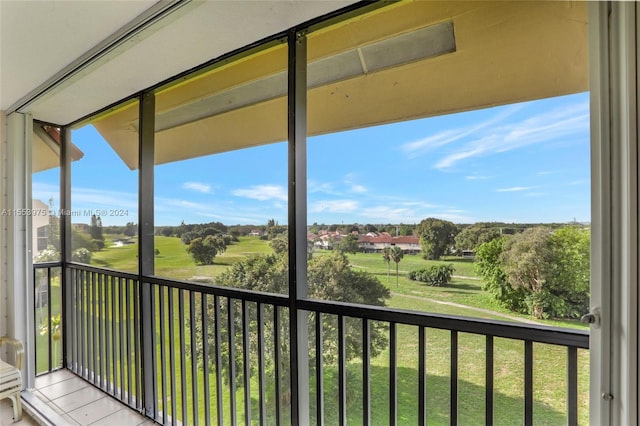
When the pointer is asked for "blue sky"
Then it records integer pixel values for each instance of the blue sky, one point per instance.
(526, 162)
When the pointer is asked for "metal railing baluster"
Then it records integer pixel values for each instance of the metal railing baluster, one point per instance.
(453, 398)
(422, 376)
(489, 374)
(319, 370)
(219, 389)
(528, 383)
(393, 375)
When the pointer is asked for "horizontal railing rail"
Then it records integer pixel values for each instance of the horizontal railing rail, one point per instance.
(221, 355)
(511, 330)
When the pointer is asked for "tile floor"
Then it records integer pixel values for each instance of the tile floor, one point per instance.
(72, 401)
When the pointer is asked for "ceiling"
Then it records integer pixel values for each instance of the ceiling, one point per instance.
(369, 70)
(61, 63)
(41, 41)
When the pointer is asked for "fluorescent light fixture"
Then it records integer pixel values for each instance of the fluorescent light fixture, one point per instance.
(423, 43)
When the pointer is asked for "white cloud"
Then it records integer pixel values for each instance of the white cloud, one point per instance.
(358, 188)
(93, 197)
(495, 135)
(198, 187)
(515, 189)
(173, 210)
(416, 204)
(476, 177)
(386, 214)
(262, 192)
(334, 206)
(315, 186)
(173, 203)
(347, 184)
(445, 137)
(472, 150)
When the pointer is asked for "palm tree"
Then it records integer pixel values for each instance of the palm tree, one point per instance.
(396, 255)
(386, 255)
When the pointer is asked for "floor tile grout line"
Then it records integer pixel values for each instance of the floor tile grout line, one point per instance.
(126, 410)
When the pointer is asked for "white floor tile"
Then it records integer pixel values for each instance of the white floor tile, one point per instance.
(65, 387)
(123, 417)
(77, 399)
(95, 411)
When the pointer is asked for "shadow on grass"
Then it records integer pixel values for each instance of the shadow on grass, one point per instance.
(456, 259)
(100, 262)
(508, 409)
(463, 286)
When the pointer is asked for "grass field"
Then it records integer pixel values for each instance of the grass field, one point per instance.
(463, 297)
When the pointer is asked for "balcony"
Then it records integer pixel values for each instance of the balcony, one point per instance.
(181, 353)
(176, 352)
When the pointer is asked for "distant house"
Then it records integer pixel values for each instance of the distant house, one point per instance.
(375, 243)
(325, 240)
(255, 233)
(81, 227)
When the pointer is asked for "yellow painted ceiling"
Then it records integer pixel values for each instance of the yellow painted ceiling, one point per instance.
(506, 52)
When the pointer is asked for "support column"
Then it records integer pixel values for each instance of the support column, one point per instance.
(65, 245)
(145, 248)
(17, 278)
(297, 131)
(615, 232)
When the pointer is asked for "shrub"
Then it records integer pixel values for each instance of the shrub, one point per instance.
(81, 255)
(50, 254)
(436, 276)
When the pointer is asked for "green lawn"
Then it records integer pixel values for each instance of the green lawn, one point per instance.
(463, 297)
(173, 261)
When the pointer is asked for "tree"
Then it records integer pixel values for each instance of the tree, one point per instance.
(396, 255)
(349, 244)
(130, 229)
(405, 230)
(539, 271)
(526, 260)
(386, 255)
(81, 240)
(472, 236)
(280, 244)
(329, 277)
(370, 228)
(570, 271)
(436, 237)
(95, 230)
(489, 267)
(204, 250)
(273, 229)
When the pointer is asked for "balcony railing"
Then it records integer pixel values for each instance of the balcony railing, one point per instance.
(47, 296)
(211, 355)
